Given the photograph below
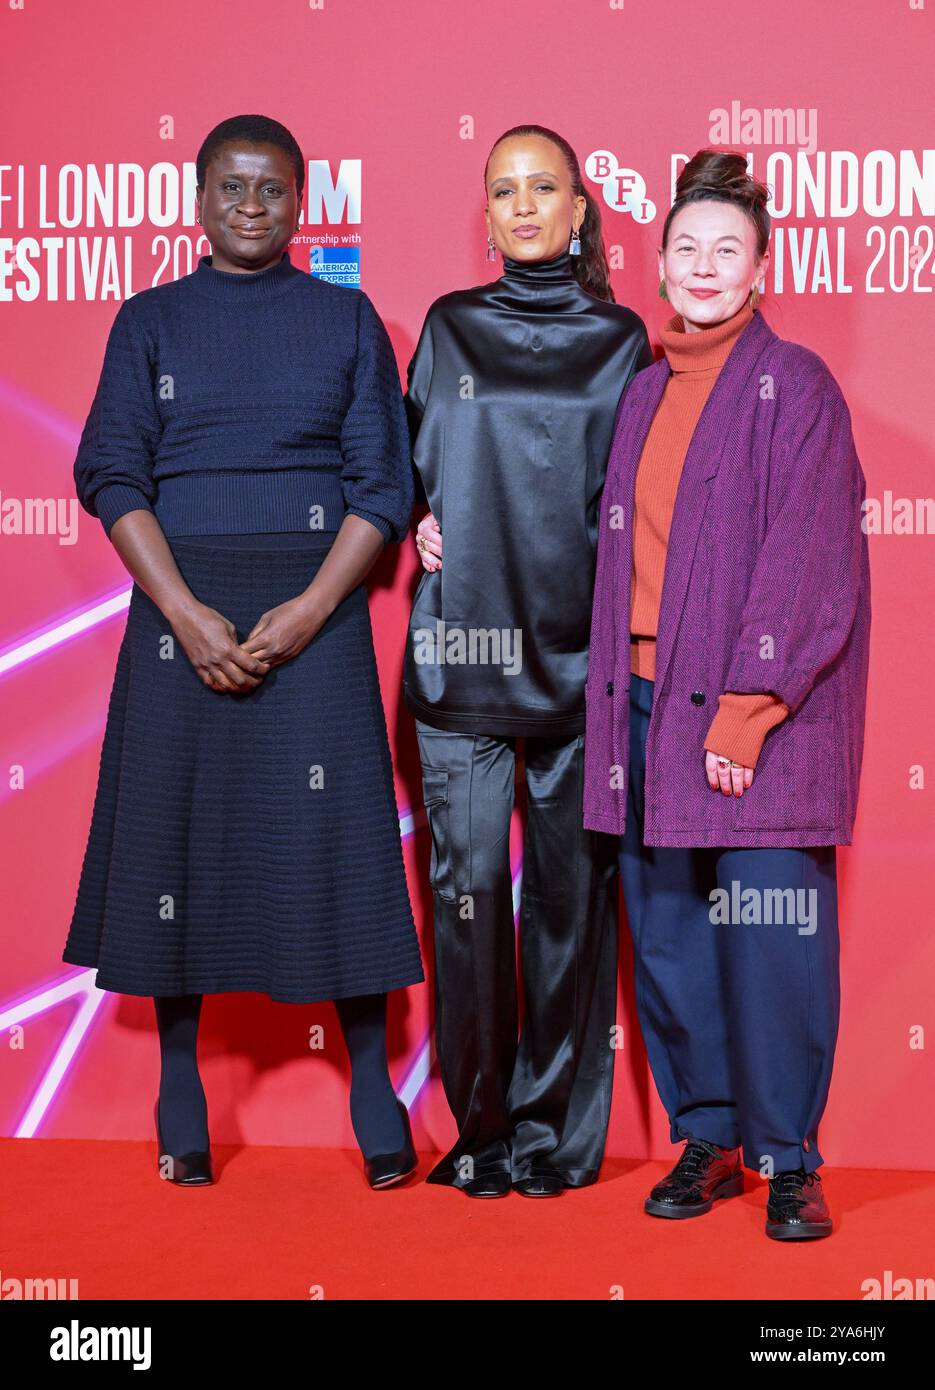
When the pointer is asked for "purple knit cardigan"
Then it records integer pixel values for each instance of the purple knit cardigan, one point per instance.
(766, 588)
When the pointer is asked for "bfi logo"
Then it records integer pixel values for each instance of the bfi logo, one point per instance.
(624, 189)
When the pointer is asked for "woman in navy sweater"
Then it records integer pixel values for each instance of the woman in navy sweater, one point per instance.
(247, 454)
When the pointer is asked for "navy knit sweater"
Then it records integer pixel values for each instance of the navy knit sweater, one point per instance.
(263, 401)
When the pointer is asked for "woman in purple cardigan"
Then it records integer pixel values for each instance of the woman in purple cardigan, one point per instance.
(732, 570)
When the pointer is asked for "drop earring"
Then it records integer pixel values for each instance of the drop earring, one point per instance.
(574, 246)
(491, 249)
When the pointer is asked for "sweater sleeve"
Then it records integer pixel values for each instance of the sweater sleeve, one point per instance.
(113, 468)
(741, 724)
(377, 474)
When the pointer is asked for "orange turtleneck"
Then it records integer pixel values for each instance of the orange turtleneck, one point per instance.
(743, 720)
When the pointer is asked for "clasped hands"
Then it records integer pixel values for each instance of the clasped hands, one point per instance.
(228, 666)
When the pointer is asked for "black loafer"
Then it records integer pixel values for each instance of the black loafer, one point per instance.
(704, 1173)
(185, 1170)
(539, 1185)
(383, 1170)
(796, 1208)
(494, 1184)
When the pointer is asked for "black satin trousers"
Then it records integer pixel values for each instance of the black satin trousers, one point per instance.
(536, 1098)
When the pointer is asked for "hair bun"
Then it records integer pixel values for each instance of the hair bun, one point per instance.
(719, 171)
(723, 176)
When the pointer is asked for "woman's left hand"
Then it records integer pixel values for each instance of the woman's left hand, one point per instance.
(725, 776)
(282, 632)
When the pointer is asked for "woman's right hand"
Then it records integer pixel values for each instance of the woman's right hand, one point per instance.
(211, 645)
(429, 542)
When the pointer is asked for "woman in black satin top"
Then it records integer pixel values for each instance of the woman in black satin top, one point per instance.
(512, 396)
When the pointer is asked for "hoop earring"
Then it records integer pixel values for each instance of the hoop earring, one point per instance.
(574, 246)
(662, 290)
(491, 249)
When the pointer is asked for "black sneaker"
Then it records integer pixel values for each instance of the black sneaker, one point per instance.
(704, 1173)
(796, 1209)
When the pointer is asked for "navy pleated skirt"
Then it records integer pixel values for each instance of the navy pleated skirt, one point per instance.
(246, 842)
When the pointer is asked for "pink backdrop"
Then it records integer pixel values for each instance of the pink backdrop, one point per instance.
(417, 91)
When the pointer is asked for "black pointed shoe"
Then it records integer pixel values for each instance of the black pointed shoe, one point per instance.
(540, 1183)
(796, 1209)
(383, 1170)
(704, 1173)
(186, 1170)
(496, 1183)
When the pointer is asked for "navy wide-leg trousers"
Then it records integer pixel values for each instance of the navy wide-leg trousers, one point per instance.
(739, 1013)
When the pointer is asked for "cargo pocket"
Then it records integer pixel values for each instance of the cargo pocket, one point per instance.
(435, 800)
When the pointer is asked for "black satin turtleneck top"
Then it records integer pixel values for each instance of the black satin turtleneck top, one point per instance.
(512, 395)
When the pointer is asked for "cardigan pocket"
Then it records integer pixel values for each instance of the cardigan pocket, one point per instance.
(796, 778)
(435, 800)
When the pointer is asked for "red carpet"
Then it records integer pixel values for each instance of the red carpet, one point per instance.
(281, 1221)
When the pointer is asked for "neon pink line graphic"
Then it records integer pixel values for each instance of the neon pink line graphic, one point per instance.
(62, 630)
(92, 999)
(38, 412)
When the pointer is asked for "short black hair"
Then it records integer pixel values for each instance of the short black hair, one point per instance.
(250, 130)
